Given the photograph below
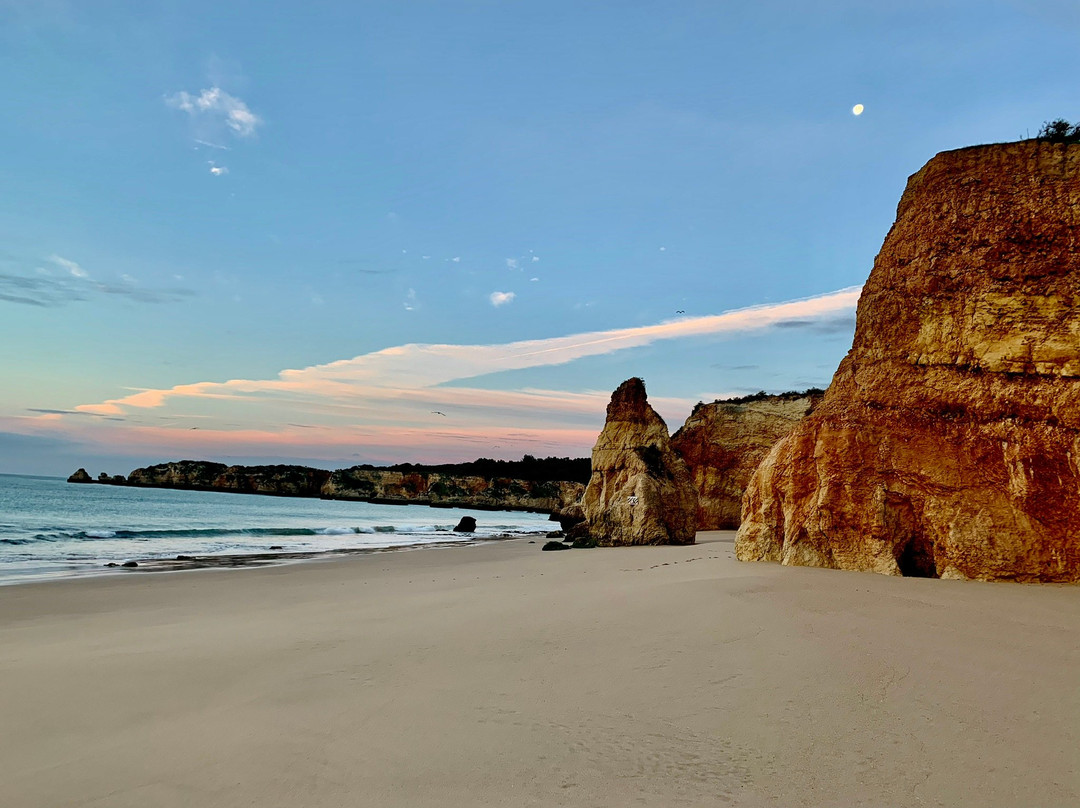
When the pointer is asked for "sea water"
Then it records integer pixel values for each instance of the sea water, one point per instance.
(50, 528)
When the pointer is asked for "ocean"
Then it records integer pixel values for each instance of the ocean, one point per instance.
(50, 528)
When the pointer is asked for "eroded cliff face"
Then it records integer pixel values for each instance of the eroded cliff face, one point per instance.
(948, 442)
(640, 491)
(724, 442)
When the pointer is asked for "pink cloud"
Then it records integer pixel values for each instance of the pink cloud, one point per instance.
(387, 400)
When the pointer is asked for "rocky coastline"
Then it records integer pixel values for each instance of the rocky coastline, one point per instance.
(405, 485)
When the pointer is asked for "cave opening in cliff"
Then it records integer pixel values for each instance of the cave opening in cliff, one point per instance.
(916, 560)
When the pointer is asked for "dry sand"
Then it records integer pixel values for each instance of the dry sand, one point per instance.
(499, 675)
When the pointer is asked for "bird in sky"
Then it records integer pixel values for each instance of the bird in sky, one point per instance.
(436, 412)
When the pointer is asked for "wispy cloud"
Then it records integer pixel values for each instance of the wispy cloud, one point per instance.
(501, 298)
(74, 269)
(217, 170)
(422, 367)
(214, 110)
(379, 404)
(211, 145)
(833, 325)
(61, 281)
(512, 263)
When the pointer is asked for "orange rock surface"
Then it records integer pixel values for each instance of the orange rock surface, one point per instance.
(724, 442)
(947, 444)
(640, 491)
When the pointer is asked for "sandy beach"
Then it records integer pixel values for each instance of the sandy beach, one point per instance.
(503, 676)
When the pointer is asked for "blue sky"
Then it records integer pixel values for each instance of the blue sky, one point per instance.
(200, 196)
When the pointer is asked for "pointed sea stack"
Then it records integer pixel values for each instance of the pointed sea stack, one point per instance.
(640, 491)
(948, 444)
(80, 476)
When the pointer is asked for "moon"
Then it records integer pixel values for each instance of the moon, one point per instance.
(857, 109)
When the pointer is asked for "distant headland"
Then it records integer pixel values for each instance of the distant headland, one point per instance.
(542, 485)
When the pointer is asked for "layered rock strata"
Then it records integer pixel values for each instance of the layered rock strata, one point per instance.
(640, 491)
(724, 442)
(949, 440)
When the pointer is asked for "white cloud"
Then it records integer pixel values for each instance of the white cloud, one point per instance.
(420, 371)
(663, 249)
(410, 300)
(217, 170)
(64, 281)
(501, 298)
(535, 258)
(533, 280)
(215, 106)
(381, 401)
(456, 259)
(75, 270)
(511, 263)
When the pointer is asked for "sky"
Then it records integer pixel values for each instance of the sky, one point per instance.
(371, 232)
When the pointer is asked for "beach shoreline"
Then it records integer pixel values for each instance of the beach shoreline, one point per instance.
(509, 676)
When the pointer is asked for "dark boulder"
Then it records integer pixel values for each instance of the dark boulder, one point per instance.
(466, 525)
(80, 476)
(555, 545)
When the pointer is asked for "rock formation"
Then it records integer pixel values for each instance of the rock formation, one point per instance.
(80, 476)
(280, 480)
(640, 491)
(948, 442)
(723, 443)
(449, 491)
(365, 484)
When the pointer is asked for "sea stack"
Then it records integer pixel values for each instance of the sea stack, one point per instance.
(724, 442)
(948, 442)
(640, 491)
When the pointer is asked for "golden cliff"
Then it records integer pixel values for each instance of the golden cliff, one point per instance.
(640, 491)
(724, 442)
(948, 442)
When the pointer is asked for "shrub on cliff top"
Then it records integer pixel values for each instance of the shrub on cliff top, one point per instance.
(1059, 131)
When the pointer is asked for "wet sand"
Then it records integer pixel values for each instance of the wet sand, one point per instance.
(499, 675)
